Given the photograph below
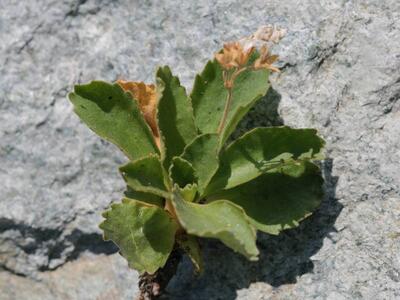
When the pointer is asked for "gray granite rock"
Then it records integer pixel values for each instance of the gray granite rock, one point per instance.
(340, 74)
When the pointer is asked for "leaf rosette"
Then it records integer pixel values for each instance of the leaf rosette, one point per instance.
(183, 181)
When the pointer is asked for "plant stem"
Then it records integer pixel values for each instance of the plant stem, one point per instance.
(229, 82)
(170, 208)
(226, 110)
(152, 286)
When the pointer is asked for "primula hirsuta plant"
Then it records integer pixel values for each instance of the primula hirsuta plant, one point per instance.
(184, 179)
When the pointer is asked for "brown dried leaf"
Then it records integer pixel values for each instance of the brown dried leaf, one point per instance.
(146, 96)
(266, 60)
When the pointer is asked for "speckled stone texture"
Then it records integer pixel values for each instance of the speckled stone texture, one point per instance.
(340, 74)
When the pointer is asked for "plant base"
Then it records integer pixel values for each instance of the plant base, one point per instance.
(152, 286)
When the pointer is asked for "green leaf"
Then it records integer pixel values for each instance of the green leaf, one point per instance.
(145, 175)
(182, 172)
(189, 192)
(249, 87)
(262, 150)
(277, 201)
(144, 197)
(209, 97)
(236, 118)
(222, 220)
(202, 154)
(145, 234)
(191, 246)
(175, 115)
(114, 116)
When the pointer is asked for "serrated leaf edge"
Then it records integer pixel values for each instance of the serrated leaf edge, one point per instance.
(180, 158)
(126, 200)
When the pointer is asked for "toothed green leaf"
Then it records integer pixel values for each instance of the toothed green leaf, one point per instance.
(114, 116)
(236, 118)
(202, 154)
(189, 192)
(145, 234)
(209, 97)
(145, 175)
(182, 172)
(263, 150)
(222, 220)
(175, 115)
(276, 201)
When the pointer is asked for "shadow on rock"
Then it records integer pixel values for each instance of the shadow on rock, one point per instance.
(283, 258)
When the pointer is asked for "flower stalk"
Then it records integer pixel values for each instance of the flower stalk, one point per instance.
(234, 60)
(226, 110)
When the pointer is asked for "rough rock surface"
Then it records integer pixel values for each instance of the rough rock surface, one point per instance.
(340, 74)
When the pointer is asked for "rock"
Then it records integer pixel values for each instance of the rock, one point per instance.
(340, 74)
(90, 277)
